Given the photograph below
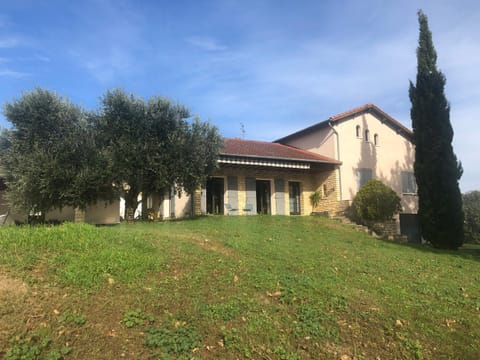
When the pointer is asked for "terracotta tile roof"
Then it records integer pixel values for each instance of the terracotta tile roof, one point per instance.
(372, 108)
(269, 150)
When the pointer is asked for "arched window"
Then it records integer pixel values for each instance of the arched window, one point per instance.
(367, 135)
(375, 139)
(357, 131)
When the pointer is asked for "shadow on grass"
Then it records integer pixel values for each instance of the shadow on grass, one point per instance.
(467, 251)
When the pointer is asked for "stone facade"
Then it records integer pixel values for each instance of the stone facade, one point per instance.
(310, 181)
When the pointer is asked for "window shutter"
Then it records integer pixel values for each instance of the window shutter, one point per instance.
(251, 194)
(232, 188)
(280, 196)
(203, 201)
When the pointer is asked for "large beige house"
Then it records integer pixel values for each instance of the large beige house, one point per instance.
(334, 158)
(370, 144)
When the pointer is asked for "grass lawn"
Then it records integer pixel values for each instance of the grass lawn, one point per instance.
(259, 287)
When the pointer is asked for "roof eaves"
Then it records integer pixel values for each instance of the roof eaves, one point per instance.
(318, 161)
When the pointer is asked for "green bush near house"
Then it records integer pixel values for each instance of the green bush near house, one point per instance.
(375, 202)
(315, 199)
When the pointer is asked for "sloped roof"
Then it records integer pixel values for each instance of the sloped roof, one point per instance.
(269, 150)
(370, 108)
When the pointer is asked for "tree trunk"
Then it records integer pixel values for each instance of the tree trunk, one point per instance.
(144, 206)
(129, 214)
(131, 203)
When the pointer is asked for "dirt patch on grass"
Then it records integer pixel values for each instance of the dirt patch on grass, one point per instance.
(215, 248)
(212, 245)
(10, 287)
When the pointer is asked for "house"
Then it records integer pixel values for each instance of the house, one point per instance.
(370, 144)
(99, 213)
(256, 177)
(334, 158)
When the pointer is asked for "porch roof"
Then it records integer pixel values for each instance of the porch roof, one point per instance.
(250, 152)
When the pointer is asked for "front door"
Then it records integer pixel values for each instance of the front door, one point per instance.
(294, 197)
(263, 197)
(215, 193)
(409, 226)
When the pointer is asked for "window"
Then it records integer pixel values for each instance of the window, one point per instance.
(375, 139)
(357, 131)
(409, 185)
(294, 197)
(367, 135)
(363, 175)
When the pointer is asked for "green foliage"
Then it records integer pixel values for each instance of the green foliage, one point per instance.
(222, 311)
(57, 155)
(70, 318)
(374, 202)
(173, 339)
(315, 199)
(437, 170)
(136, 317)
(34, 346)
(146, 141)
(49, 155)
(201, 145)
(471, 208)
(313, 322)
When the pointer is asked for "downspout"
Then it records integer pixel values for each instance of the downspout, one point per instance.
(330, 124)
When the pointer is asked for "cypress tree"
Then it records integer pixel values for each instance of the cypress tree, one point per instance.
(437, 170)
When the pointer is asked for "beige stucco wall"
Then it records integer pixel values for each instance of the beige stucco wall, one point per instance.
(103, 213)
(320, 141)
(65, 214)
(393, 154)
(99, 213)
(183, 205)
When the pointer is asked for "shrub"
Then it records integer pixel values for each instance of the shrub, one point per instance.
(375, 202)
(315, 199)
(471, 208)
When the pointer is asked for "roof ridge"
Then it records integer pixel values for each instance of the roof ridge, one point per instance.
(366, 107)
(352, 111)
(257, 141)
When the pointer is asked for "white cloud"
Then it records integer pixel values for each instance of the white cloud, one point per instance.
(11, 41)
(5, 72)
(205, 43)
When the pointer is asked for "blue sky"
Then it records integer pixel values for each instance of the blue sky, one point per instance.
(273, 66)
